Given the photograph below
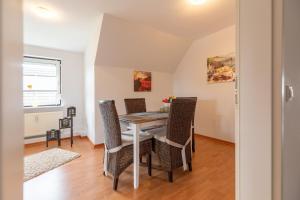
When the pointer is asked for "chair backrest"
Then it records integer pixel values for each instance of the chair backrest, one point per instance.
(193, 98)
(180, 118)
(112, 129)
(135, 105)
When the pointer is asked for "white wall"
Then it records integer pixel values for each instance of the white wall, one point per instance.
(36, 124)
(215, 107)
(254, 150)
(72, 84)
(11, 104)
(117, 83)
(89, 79)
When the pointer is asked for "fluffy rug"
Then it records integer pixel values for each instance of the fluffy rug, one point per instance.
(37, 164)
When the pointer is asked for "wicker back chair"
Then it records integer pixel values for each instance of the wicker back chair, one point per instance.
(112, 129)
(179, 132)
(118, 153)
(193, 122)
(135, 105)
(179, 122)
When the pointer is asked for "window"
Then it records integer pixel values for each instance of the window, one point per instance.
(41, 82)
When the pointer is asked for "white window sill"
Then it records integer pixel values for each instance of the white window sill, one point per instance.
(43, 109)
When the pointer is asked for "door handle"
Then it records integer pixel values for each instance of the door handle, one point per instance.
(289, 93)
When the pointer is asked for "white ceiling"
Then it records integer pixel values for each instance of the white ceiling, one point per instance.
(76, 19)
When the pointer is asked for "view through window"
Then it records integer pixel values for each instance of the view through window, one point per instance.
(41, 82)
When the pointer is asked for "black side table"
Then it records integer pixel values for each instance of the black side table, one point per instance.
(52, 135)
(66, 123)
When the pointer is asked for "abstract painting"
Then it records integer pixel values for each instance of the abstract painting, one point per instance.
(142, 81)
(221, 69)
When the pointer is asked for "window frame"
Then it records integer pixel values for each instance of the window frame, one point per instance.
(32, 58)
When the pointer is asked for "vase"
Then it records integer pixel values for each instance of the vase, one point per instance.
(165, 107)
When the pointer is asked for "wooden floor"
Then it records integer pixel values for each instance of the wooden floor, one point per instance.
(212, 177)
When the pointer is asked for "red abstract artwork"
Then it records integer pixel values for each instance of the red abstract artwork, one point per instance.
(142, 81)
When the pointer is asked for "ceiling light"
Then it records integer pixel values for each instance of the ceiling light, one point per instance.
(45, 12)
(197, 2)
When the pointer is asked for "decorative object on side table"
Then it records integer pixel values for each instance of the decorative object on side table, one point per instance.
(71, 111)
(167, 103)
(51, 135)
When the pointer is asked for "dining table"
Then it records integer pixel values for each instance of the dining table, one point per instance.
(141, 122)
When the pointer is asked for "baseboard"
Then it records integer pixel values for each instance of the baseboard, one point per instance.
(42, 138)
(212, 138)
(96, 146)
(44, 141)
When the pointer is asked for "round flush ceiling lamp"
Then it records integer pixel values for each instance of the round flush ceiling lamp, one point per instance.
(197, 2)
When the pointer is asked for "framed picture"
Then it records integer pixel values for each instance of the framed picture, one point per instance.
(221, 69)
(142, 81)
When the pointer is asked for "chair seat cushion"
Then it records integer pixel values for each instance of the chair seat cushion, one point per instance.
(159, 133)
(130, 133)
(128, 140)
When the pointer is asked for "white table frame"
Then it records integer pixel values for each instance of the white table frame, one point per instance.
(136, 127)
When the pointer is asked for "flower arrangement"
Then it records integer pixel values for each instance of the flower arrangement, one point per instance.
(169, 99)
(167, 102)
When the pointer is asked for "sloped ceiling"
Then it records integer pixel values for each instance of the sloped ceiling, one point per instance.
(131, 45)
(75, 20)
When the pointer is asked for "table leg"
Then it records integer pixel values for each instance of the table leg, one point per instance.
(59, 139)
(71, 132)
(136, 154)
(191, 132)
(193, 138)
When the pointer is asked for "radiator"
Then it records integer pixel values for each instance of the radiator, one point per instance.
(36, 124)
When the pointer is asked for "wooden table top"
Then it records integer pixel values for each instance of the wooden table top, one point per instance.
(139, 118)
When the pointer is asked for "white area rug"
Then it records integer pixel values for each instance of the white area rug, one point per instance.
(37, 164)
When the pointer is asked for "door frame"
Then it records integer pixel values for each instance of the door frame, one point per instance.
(254, 109)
